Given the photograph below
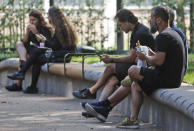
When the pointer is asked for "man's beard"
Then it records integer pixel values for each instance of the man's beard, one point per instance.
(153, 27)
(127, 30)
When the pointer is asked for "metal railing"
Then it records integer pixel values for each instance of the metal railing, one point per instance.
(83, 55)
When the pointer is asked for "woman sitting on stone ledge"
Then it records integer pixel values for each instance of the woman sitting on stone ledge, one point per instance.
(65, 38)
(63, 41)
(37, 25)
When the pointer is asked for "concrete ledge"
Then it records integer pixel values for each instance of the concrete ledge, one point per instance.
(52, 79)
(74, 69)
(172, 109)
(11, 63)
(181, 99)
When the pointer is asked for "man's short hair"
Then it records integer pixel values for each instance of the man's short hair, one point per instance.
(171, 12)
(124, 15)
(162, 12)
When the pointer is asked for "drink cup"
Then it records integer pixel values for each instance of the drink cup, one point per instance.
(41, 44)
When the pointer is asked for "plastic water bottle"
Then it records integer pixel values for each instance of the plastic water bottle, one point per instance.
(142, 49)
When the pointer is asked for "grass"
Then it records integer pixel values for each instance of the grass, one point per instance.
(189, 77)
(88, 60)
(91, 59)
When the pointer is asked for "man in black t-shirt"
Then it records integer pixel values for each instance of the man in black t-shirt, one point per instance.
(168, 60)
(117, 68)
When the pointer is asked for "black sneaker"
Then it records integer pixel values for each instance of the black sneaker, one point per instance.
(100, 112)
(83, 104)
(13, 87)
(87, 115)
(84, 94)
(98, 103)
(30, 90)
(16, 76)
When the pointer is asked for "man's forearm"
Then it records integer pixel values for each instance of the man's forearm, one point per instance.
(150, 60)
(126, 59)
(153, 60)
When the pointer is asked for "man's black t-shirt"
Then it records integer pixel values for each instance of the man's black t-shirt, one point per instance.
(141, 33)
(170, 71)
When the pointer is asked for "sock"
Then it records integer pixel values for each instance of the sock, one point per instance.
(106, 102)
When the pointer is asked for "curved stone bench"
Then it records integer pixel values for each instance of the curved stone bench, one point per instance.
(172, 109)
(52, 75)
(181, 99)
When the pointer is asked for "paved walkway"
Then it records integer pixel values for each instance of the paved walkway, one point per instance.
(40, 112)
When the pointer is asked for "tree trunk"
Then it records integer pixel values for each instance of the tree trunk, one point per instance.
(181, 17)
(51, 2)
(119, 34)
(191, 25)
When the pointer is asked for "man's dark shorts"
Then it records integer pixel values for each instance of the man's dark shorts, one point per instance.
(122, 70)
(151, 80)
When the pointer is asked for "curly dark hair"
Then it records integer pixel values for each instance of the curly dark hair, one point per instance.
(41, 21)
(124, 15)
(63, 30)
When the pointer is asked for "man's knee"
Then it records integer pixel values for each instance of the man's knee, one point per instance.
(112, 81)
(110, 68)
(133, 70)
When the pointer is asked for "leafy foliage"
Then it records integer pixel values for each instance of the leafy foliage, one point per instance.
(189, 77)
(88, 18)
(13, 20)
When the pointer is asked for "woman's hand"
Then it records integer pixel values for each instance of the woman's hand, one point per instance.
(40, 38)
(33, 29)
